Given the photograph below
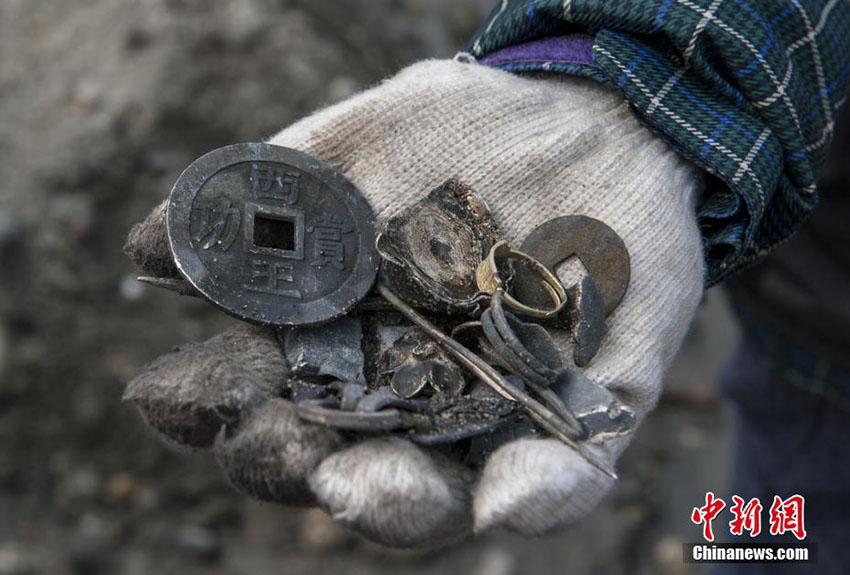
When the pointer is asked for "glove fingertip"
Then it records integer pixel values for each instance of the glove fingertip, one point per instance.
(533, 486)
(172, 409)
(190, 393)
(395, 493)
(147, 245)
(270, 454)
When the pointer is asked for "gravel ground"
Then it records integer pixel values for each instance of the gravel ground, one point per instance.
(102, 103)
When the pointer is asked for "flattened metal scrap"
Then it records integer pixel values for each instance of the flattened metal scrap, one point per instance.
(601, 414)
(587, 319)
(411, 378)
(414, 361)
(432, 249)
(329, 351)
(537, 368)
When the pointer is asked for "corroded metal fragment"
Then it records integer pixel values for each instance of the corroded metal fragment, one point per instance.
(525, 349)
(601, 414)
(330, 351)
(411, 378)
(587, 319)
(350, 395)
(432, 249)
(416, 363)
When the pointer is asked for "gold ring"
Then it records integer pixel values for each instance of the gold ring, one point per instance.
(488, 279)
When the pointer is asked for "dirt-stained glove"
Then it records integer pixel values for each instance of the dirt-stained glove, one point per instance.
(534, 148)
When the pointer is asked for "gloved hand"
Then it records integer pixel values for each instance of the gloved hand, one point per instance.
(534, 148)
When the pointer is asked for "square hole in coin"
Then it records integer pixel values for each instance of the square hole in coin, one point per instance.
(275, 233)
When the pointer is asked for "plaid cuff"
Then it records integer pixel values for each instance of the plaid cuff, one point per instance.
(745, 89)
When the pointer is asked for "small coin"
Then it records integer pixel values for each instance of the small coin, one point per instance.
(272, 235)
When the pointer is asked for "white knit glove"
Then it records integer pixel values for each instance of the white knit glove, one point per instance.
(534, 148)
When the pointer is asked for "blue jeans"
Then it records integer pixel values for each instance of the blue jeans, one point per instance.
(789, 440)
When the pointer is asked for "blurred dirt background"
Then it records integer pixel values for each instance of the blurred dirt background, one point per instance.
(102, 104)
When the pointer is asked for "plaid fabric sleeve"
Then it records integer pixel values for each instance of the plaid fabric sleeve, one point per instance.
(745, 89)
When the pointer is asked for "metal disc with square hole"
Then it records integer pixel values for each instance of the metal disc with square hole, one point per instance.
(272, 235)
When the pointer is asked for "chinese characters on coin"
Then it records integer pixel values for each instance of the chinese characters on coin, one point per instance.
(272, 235)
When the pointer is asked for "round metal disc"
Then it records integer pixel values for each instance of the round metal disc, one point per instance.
(272, 235)
(600, 249)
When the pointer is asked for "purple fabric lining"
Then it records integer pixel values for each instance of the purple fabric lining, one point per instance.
(570, 49)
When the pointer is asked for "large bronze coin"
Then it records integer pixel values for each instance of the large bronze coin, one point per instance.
(272, 235)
